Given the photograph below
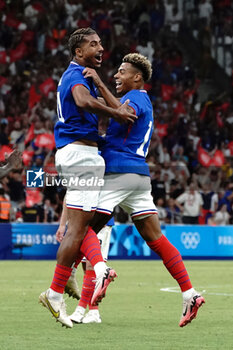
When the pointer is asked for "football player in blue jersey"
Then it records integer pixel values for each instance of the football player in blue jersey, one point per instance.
(78, 163)
(127, 180)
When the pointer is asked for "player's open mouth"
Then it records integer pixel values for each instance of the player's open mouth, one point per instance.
(118, 83)
(98, 58)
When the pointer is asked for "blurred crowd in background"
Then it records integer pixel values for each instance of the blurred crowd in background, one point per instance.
(191, 152)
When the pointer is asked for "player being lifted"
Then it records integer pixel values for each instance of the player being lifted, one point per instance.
(127, 180)
(76, 136)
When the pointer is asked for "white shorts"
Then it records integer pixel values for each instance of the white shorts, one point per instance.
(81, 169)
(132, 192)
(104, 237)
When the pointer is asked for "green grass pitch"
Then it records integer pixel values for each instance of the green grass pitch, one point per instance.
(136, 314)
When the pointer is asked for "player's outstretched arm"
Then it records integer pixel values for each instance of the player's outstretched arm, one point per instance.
(13, 162)
(83, 99)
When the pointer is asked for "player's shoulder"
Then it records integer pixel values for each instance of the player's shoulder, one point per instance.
(75, 69)
(75, 66)
(137, 93)
(136, 96)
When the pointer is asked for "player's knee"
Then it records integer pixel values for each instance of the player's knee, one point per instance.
(76, 234)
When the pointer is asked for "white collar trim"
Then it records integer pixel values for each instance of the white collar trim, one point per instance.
(74, 63)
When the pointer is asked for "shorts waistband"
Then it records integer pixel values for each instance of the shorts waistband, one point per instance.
(84, 148)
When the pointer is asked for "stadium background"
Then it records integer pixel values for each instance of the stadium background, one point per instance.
(189, 44)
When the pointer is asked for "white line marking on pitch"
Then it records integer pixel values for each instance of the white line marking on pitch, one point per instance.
(175, 290)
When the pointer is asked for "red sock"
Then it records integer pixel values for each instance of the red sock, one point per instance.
(172, 260)
(60, 278)
(91, 247)
(87, 289)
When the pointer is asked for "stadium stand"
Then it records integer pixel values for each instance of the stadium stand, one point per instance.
(193, 134)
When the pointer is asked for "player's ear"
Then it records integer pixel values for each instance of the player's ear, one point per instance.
(79, 52)
(137, 77)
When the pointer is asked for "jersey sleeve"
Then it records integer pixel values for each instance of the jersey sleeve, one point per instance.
(134, 98)
(77, 78)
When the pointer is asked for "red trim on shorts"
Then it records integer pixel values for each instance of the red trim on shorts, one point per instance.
(145, 213)
(104, 212)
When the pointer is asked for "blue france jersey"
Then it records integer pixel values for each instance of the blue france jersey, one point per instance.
(127, 144)
(74, 123)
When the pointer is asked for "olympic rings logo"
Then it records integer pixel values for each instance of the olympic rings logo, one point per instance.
(190, 239)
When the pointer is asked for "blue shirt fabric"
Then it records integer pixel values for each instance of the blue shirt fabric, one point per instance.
(73, 122)
(111, 222)
(127, 144)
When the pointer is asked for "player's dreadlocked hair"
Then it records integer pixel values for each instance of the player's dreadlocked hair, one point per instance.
(77, 37)
(140, 62)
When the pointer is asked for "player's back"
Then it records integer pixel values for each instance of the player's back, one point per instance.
(127, 144)
(74, 123)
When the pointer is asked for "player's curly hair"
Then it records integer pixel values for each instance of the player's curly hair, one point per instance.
(140, 62)
(77, 37)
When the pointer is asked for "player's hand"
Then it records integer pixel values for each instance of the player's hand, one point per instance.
(125, 113)
(60, 233)
(91, 73)
(14, 160)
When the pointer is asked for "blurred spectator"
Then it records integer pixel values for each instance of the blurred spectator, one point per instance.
(227, 198)
(5, 207)
(4, 133)
(30, 214)
(222, 216)
(161, 210)
(205, 12)
(173, 214)
(16, 188)
(49, 214)
(146, 48)
(158, 187)
(190, 204)
(17, 135)
(176, 189)
(167, 170)
(210, 203)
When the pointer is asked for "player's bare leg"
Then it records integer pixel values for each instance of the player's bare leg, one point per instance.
(78, 223)
(52, 299)
(149, 228)
(88, 287)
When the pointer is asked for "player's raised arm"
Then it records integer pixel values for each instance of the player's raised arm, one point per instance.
(109, 98)
(83, 99)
